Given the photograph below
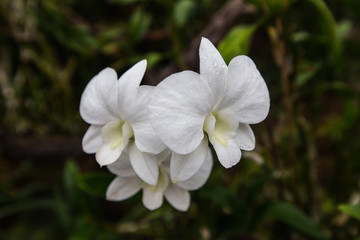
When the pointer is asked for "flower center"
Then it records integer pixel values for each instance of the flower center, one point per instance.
(163, 181)
(117, 133)
(218, 128)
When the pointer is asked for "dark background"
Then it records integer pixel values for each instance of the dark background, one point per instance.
(301, 182)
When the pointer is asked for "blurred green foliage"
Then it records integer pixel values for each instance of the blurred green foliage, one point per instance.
(352, 210)
(301, 182)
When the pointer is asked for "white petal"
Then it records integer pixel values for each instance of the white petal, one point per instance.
(99, 101)
(163, 181)
(246, 93)
(91, 141)
(200, 177)
(164, 158)
(182, 167)
(145, 165)
(122, 188)
(245, 137)
(112, 143)
(122, 167)
(106, 155)
(228, 155)
(179, 105)
(145, 137)
(179, 198)
(127, 133)
(151, 198)
(212, 67)
(209, 125)
(128, 85)
(153, 195)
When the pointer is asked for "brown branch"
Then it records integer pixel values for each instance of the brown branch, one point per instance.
(55, 148)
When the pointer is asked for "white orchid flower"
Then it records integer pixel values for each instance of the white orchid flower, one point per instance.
(219, 103)
(127, 183)
(119, 117)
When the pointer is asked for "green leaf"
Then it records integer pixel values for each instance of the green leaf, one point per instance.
(295, 218)
(153, 58)
(352, 210)
(94, 183)
(306, 71)
(182, 10)
(343, 29)
(236, 42)
(300, 36)
(139, 24)
(331, 31)
(62, 209)
(69, 178)
(277, 6)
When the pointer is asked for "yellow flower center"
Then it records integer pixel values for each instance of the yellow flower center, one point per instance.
(118, 133)
(217, 128)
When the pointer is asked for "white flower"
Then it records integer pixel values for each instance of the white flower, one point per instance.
(117, 112)
(127, 183)
(221, 101)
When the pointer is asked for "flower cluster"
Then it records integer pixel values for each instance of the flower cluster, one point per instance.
(157, 138)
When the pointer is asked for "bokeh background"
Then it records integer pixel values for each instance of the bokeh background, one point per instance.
(301, 182)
